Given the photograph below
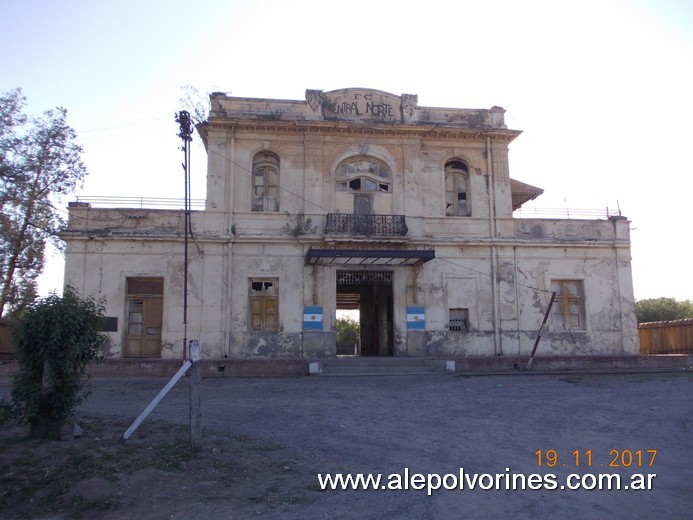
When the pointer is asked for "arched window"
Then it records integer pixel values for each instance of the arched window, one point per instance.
(265, 188)
(363, 175)
(457, 189)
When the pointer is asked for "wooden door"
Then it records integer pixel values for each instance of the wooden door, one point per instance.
(144, 327)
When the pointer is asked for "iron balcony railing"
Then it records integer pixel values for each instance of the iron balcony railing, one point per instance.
(365, 225)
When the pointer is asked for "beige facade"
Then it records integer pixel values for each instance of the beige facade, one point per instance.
(356, 197)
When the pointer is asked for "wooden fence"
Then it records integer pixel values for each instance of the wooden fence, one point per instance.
(666, 337)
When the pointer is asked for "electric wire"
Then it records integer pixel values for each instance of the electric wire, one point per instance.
(531, 287)
(328, 211)
(281, 188)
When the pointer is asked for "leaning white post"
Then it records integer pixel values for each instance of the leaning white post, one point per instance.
(195, 410)
(156, 400)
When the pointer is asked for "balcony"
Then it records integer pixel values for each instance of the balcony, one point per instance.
(365, 225)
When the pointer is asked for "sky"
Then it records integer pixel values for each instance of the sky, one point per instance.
(601, 90)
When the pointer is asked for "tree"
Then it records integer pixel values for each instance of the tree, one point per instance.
(55, 339)
(347, 335)
(195, 103)
(663, 309)
(39, 160)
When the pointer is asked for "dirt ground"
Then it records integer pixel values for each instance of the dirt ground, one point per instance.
(266, 440)
(154, 474)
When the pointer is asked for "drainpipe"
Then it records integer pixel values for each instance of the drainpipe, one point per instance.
(497, 347)
(229, 207)
(618, 286)
(620, 300)
(517, 303)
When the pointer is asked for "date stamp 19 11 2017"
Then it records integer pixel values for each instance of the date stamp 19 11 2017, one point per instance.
(625, 458)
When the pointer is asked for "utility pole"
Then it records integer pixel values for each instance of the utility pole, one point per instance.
(191, 357)
(186, 128)
(191, 353)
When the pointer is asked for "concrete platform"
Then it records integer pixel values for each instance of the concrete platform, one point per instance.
(214, 368)
(210, 368)
(379, 366)
(350, 365)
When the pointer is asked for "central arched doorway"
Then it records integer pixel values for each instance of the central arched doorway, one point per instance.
(371, 293)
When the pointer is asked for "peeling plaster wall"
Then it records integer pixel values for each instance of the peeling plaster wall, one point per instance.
(608, 314)
(282, 261)
(101, 267)
(266, 345)
(462, 279)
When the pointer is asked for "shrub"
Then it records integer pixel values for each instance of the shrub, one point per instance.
(663, 309)
(55, 339)
(347, 335)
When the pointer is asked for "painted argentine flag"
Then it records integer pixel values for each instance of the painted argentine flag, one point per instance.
(416, 318)
(312, 318)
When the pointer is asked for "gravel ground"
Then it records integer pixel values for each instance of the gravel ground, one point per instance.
(441, 423)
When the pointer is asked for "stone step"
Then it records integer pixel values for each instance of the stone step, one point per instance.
(377, 366)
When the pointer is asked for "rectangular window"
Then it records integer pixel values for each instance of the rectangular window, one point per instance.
(458, 320)
(264, 304)
(568, 312)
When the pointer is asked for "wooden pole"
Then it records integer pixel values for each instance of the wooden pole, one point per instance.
(536, 342)
(195, 409)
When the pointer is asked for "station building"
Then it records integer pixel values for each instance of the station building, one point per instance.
(355, 199)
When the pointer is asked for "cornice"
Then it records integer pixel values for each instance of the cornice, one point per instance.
(119, 236)
(341, 128)
(108, 235)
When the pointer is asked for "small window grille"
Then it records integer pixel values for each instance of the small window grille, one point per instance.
(364, 277)
(459, 320)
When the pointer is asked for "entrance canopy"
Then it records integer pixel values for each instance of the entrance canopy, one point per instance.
(392, 257)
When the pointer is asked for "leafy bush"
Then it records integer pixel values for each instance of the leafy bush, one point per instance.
(55, 339)
(347, 335)
(663, 309)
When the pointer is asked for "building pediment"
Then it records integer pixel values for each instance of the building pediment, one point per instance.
(363, 104)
